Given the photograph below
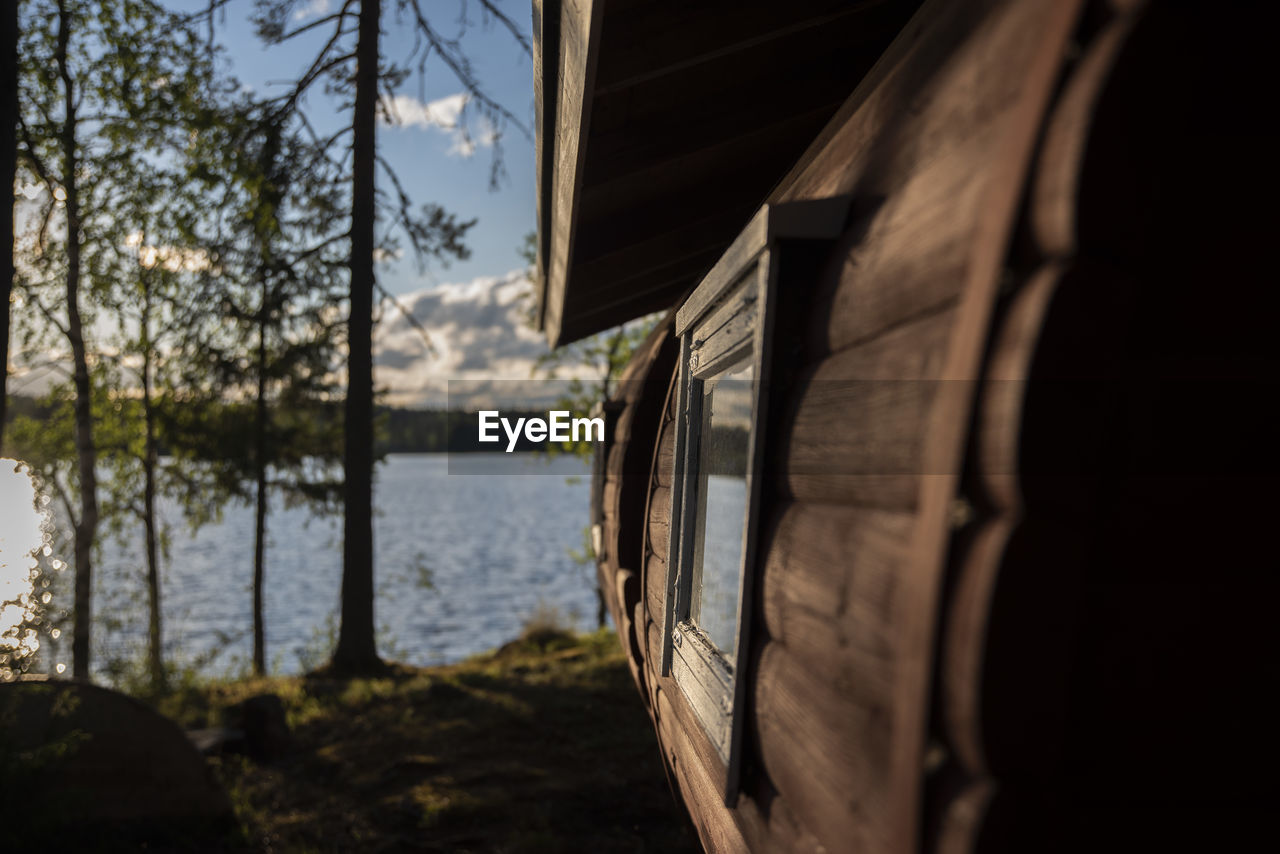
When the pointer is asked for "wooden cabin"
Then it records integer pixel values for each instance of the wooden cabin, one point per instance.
(938, 513)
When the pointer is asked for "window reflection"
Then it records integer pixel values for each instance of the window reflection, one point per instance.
(722, 504)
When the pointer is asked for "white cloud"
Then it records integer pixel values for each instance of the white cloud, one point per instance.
(479, 333)
(444, 114)
(312, 9)
(408, 111)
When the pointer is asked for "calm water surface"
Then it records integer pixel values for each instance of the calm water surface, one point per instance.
(496, 548)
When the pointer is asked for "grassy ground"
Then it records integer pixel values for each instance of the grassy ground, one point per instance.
(541, 747)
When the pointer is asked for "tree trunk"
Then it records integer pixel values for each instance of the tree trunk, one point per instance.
(85, 451)
(357, 650)
(8, 168)
(155, 657)
(260, 471)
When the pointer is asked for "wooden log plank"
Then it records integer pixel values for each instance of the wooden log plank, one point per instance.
(870, 490)
(624, 614)
(655, 592)
(635, 648)
(911, 350)
(1003, 77)
(627, 589)
(827, 753)
(664, 466)
(653, 638)
(904, 259)
(963, 819)
(660, 520)
(1055, 189)
(659, 533)
(965, 699)
(606, 577)
(827, 590)
(765, 826)
(622, 425)
(770, 825)
(950, 75)
(617, 456)
(631, 454)
(848, 435)
(854, 432)
(610, 497)
(701, 793)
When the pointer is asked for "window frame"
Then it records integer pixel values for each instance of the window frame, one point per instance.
(731, 311)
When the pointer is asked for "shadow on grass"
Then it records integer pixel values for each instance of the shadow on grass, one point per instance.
(543, 747)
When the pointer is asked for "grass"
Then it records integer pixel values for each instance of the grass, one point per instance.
(542, 746)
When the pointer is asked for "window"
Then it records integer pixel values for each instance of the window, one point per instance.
(725, 330)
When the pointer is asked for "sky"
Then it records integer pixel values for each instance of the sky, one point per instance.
(474, 311)
(428, 155)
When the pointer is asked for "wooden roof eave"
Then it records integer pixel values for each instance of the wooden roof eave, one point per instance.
(663, 127)
(564, 60)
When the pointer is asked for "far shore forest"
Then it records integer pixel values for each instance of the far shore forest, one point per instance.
(397, 430)
(194, 273)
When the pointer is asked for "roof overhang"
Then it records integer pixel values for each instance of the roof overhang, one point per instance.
(662, 126)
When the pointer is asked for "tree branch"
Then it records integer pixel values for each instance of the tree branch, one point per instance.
(408, 316)
(502, 18)
(48, 315)
(340, 15)
(461, 68)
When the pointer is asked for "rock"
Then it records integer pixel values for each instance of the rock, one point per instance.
(266, 731)
(96, 761)
(215, 741)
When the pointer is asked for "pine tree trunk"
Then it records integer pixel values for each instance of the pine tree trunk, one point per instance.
(155, 658)
(8, 167)
(86, 530)
(260, 470)
(357, 650)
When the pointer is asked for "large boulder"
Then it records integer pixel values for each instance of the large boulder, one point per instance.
(81, 759)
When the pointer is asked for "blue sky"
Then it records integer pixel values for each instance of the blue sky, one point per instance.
(424, 154)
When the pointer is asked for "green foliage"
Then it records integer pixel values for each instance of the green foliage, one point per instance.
(112, 262)
(211, 238)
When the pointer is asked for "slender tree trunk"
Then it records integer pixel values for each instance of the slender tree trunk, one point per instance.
(150, 458)
(8, 169)
(85, 451)
(260, 470)
(357, 650)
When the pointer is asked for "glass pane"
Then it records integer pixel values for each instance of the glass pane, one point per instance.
(722, 504)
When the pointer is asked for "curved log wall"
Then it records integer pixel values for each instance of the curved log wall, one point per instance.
(961, 614)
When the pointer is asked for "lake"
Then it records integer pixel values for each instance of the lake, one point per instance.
(494, 544)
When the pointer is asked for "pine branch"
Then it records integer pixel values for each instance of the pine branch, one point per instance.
(408, 316)
(510, 25)
(448, 50)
